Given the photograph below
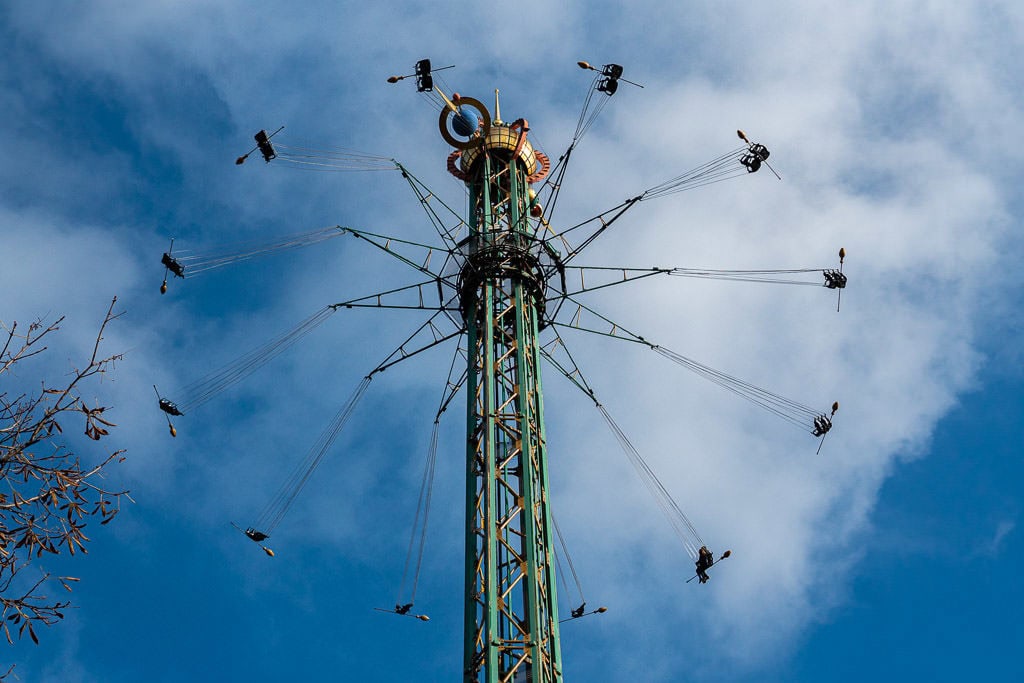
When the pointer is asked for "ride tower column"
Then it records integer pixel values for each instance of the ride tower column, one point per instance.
(511, 612)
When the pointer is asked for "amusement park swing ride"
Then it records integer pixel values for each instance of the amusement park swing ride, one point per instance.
(501, 287)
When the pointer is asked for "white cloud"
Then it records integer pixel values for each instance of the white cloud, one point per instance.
(995, 544)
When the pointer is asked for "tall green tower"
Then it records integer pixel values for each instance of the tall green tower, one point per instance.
(511, 612)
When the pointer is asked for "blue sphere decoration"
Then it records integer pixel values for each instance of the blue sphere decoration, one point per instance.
(465, 122)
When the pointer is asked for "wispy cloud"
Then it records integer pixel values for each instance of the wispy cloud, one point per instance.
(994, 545)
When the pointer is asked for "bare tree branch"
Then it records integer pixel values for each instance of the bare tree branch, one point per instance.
(46, 495)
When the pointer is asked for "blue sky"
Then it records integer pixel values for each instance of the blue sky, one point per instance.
(892, 555)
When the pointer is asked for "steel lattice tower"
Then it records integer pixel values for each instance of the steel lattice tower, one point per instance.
(511, 612)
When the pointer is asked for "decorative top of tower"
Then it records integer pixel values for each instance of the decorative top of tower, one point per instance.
(468, 118)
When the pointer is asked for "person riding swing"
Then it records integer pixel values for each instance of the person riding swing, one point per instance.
(704, 561)
(255, 535)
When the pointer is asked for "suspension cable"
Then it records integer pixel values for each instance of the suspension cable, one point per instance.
(680, 523)
(194, 263)
(732, 164)
(789, 410)
(427, 485)
(336, 159)
(422, 512)
(568, 559)
(282, 501)
(205, 388)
